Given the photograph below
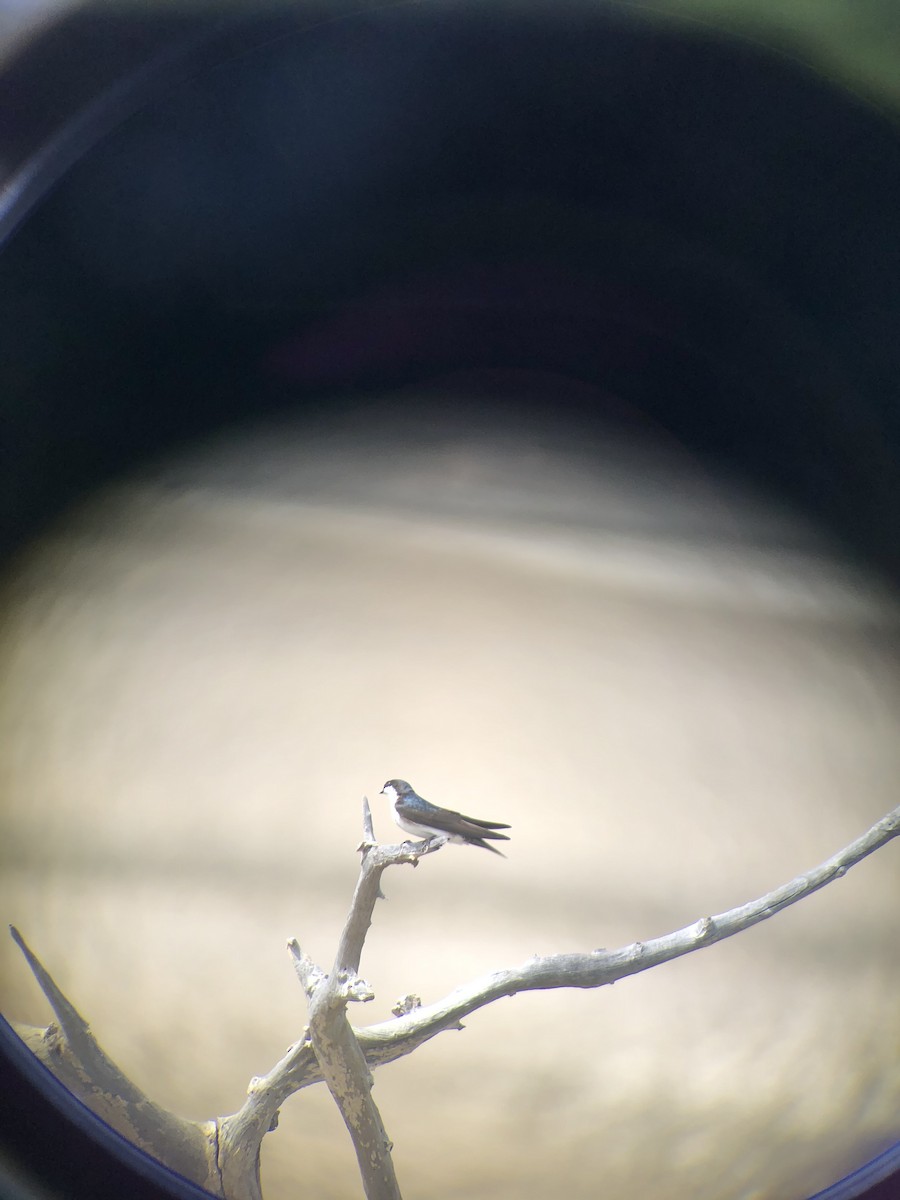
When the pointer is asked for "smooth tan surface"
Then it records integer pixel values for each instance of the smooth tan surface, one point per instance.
(674, 696)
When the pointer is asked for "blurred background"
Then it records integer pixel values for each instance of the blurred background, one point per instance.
(502, 399)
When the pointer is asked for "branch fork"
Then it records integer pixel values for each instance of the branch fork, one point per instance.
(223, 1155)
(335, 1044)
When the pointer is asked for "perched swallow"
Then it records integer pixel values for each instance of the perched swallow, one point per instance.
(417, 816)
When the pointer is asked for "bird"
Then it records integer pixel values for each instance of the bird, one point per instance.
(416, 815)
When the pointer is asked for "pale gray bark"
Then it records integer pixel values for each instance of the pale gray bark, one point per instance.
(223, 1156)
(71, 1052)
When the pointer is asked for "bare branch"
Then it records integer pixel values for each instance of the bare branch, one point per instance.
(376, 860)
(70, 1051)
(241, 1134)
(389, 1040)
(337, 1051)
(349, 1080)
(224, 1156)
(368, 827)
(368, 842)
(74, 1026)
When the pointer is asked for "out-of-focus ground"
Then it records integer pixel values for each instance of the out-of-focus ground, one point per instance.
(677, 697)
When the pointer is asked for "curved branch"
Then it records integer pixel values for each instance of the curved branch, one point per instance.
(392, 1039)
(389, 1040)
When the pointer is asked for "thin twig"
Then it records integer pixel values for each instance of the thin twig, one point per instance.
(368, 827)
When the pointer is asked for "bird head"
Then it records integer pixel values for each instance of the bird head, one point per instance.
(395, 788)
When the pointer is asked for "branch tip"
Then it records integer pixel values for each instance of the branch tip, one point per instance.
(368, 827)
